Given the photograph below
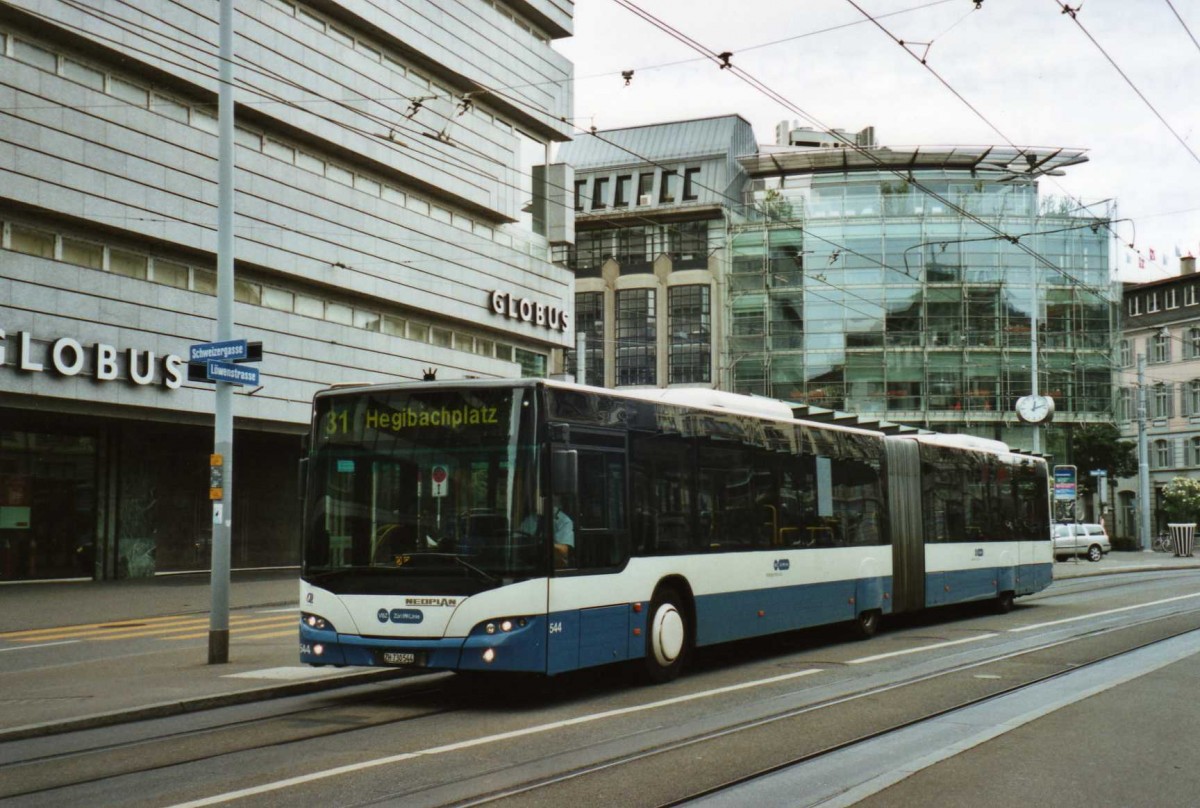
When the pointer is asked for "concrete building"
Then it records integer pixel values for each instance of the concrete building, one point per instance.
(394, 213)
(1161, 325)
(652, 207)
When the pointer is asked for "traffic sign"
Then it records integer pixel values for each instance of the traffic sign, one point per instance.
(227, 351)
(232, 373)
(439, 477)
(1064, 483)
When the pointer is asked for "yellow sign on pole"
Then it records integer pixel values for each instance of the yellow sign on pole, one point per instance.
(216, 476)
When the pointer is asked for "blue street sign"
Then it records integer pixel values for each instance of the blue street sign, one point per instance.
(234, 374)
(226, 351)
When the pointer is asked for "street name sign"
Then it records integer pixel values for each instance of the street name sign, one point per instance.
(226, 351)
(232, 373)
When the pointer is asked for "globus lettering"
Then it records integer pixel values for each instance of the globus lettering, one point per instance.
(68, 357)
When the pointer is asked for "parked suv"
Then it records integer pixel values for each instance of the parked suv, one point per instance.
(1081, 539)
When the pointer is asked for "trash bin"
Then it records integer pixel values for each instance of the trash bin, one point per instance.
(1184, 537)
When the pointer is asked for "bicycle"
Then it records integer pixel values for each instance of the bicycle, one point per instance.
(1163, 543)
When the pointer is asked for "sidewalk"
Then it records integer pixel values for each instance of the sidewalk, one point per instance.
(77, 692)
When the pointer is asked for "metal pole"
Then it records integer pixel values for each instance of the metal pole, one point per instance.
(1033, 319)
(580, 355)
(1143, 459)
(218, 620)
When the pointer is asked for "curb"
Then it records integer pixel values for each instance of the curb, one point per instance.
(185, 706)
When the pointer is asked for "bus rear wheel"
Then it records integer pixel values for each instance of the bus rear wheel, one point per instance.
(668, 637)
(866, 625)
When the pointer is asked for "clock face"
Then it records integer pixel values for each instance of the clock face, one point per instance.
(1035, 409)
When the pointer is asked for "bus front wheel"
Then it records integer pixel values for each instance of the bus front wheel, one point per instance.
(667, 637)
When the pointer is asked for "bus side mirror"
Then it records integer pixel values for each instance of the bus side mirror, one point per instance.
(564, 471)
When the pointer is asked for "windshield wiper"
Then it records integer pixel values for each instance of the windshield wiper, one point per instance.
(474, 569)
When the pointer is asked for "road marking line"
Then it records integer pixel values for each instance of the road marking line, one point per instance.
(266, 788)
(39, 645)
(1094, 615)
(60, 631)
(918, 649)
(166, 632)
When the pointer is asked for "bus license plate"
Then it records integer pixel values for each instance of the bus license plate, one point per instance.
(399, 658)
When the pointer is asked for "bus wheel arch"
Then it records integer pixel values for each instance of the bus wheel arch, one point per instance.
(670, 630)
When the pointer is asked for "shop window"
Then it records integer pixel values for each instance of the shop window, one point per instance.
(533, 365)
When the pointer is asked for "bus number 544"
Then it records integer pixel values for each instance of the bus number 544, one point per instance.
(556, 628)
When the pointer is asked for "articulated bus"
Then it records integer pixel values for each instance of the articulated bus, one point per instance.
(542, 526)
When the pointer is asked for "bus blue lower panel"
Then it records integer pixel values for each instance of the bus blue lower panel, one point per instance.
(736, 615)
(961, 586)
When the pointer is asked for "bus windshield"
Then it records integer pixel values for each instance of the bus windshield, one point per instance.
(429, 490)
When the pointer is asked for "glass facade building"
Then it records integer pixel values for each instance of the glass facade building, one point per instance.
(903, 284)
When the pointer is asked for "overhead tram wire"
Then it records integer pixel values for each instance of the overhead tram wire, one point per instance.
(924, 63)
(866, 153)
(201, 67)
(1073, 14)
(1183, 24)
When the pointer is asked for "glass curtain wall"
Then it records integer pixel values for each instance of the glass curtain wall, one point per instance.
(864, 293)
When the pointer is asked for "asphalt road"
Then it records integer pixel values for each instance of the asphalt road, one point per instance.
(599, 737)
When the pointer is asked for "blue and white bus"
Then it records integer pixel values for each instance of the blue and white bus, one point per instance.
(546, 527)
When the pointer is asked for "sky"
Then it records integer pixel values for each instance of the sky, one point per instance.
(1120, 79)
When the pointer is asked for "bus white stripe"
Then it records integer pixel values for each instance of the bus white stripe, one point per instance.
(487, 739)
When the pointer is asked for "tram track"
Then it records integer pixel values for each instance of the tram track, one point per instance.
(842, 720)
(535, 793)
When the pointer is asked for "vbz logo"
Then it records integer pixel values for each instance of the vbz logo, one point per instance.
(782, 565)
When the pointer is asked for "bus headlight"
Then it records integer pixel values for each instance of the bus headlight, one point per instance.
(316, 622)
(505, 625)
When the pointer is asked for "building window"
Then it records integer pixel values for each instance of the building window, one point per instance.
(1189, 295)
(1193, 343)
(533, 365)
(1125, 404)
(31, 242)
(1162, 454)
(589, 320)
(669, 190)
(580, 189)
(1160, 347)
(637, 336)
(1126, 357)
(621, 195)
(1194, 458)
(1172, 300)
(634, 250)
(689, 326)
(1152, 303)
(688, 245)
(590, 252)
(600, 193)
(1135, 305)
(1191, 397)
(1163, 400)
(690, 187)
(645, 189)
